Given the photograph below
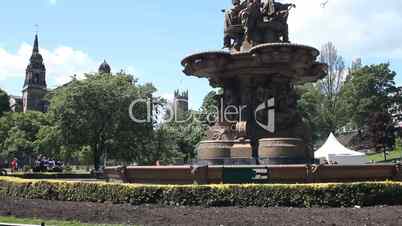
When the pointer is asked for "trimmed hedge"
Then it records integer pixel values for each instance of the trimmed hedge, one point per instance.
(304, 195)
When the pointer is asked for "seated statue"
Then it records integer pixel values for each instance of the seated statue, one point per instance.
(252, 22)
(277, 14)
(233, 30)
(250, 18)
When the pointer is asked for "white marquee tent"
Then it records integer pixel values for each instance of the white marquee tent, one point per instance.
(334, 151)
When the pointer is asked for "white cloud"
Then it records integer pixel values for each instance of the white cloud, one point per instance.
(61, 63)
(358, 28)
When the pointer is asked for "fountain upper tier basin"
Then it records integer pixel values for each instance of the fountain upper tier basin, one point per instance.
(292, 62)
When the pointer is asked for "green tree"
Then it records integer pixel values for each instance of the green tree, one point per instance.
(186, 134)
(94, 112)
(320, 103)
(18, 133)
(209, 107)
(49, 142)
(330, 88)
(367, 95)
(380, 128)
(314, 107)
(368, 90)
(4, 102)
(182, 137)
(163, 147)
(311, 105)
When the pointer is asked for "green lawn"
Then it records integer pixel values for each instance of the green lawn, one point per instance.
(393, 156)
(14, 220)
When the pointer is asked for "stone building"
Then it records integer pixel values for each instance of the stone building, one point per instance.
(180, 102)
(104, 68)
(179, 106)
(35, 87)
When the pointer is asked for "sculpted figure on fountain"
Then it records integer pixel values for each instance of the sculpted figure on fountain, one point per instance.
(252, 22)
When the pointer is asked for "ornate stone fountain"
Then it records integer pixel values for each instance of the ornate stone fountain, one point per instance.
(258, 74)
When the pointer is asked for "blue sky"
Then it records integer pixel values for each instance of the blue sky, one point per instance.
(149, 38)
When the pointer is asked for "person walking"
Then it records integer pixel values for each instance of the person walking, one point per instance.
(14, 165)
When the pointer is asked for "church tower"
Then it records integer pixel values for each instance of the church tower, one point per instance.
(35, 87)
(180, 103)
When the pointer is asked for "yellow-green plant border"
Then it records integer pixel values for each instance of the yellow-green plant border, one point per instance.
(261, 195)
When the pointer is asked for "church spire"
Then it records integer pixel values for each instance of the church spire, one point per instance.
(36, 45)
(36, 71)
(36, 57)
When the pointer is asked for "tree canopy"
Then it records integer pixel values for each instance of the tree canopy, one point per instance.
(368, 90)
(366, 94)
(4, 102)
(18, 133)
(94, 112)
(320, 103)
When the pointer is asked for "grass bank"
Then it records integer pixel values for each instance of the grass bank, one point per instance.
(393, 156)
(15, 220)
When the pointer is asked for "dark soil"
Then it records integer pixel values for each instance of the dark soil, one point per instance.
(155, 215)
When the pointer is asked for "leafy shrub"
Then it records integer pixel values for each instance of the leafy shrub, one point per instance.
(303, 195)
